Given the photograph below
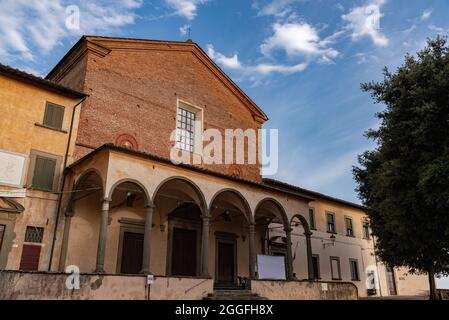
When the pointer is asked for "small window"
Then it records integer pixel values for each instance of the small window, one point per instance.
(335, 268)
(44, 173)
(53, 116)
(312, 218)
(349, 227)
(330, 217)
(34, 234)
(316, 266)
(366, 233)
(185, 133)
(354, 270)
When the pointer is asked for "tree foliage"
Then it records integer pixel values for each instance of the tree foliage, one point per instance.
(404, 182)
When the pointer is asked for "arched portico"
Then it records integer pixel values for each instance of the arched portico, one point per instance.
(297, 220)
(269, 217)
(88, 186)
(232, 220)
(182, 207)
(130, 197)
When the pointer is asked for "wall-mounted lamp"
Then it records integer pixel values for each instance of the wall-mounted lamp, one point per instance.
(331, 241)
(130, 197)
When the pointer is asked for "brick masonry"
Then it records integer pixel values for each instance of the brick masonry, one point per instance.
(134, 91)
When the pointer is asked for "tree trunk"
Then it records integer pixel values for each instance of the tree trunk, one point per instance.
(432, 287)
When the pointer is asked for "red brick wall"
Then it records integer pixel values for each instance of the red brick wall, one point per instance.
(135, 92)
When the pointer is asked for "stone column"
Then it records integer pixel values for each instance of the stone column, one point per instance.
(65, 241)
(308, 235)
(289, 259)
(146, 256)
(252, 250)
(101, 251)
(205, 244)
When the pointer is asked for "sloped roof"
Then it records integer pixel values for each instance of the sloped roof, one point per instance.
(40, 82)
(314, 194)
(103, 45)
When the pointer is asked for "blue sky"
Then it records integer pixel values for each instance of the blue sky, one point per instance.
(301, 61)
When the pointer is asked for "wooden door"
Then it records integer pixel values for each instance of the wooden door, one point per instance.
(391, 282)
(226, 263)
(184, 253)
(132, 251)
(30, 257)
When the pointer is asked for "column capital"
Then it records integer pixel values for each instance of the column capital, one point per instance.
(150, 205)
(105, 204)
(288, 230)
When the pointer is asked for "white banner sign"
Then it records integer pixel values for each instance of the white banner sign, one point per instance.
(271, 267)
(12, 168)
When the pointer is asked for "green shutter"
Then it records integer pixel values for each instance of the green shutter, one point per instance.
(44, 173)
(53, 116)
(312, 218)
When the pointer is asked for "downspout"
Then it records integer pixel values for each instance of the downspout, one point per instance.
(62, 185)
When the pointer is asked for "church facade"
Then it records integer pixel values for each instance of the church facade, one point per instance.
(121, 208)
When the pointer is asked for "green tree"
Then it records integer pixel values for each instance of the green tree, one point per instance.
(404, 181)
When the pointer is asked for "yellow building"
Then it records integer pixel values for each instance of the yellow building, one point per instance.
(36, 123)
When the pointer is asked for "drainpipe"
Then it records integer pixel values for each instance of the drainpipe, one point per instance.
(62, 185)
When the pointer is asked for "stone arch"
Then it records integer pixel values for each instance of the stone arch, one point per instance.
(267, 212)
(147, 200)
(303, 221)
(278, 205)
(247, 209)
(92, 174)
(202, 200)
(182, 209)
(308, 235)
(86, 173)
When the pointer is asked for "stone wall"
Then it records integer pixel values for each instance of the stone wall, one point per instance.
(19, 285)
(304, 290)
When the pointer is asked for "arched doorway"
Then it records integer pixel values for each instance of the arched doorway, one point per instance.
(181, 206)
(130, 219)
(273, 228)
(231, 223)
(83, 214)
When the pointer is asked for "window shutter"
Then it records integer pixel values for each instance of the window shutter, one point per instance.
(44, 173)
(54, 115)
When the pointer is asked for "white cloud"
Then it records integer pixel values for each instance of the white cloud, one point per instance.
(266, 68)
(437, 29)
(185, 8)
(278, 8)
(364, 21)
(30, 25)
(263, 69)
(228, 62)
(297, 39)
(426, 15)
